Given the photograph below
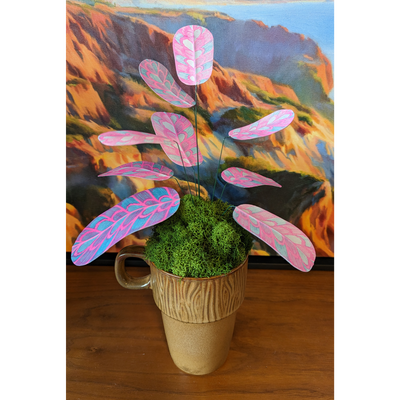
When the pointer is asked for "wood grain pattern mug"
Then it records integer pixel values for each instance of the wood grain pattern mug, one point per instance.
(198, 313)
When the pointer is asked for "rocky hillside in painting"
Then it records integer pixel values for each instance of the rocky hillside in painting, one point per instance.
(285, 57)
(105, 92)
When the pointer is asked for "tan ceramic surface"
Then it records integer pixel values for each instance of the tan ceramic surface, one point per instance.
(199, 349)
(198, 313)
(198, 300)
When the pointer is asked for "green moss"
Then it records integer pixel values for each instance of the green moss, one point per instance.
(200, 240)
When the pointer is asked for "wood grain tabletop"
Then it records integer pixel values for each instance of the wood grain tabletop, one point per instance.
(282, 347)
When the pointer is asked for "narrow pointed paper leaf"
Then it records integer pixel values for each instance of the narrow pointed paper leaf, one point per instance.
(142, 169)
(143, 209)
(243, 178)
(125, 138)
(175, 127)
(286, 239)
(162, 83)
(266, 126)
(193, 47)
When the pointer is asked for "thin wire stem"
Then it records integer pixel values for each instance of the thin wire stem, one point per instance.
(227, 209)
(197, 140)
(184, 168)
(178, 183)
(216, 174)
(223, 190)
(194, 177)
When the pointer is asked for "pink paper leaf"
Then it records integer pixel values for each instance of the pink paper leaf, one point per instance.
(243, 178)
(162, 83)
(142, 210)
(266, 126)
(177, 128)
(125, 138)
(193, 47)
(142, 169)
(290, 242)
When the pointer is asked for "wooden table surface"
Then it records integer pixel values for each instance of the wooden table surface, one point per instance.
(282, 346)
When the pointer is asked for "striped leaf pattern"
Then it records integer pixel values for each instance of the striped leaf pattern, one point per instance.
(142, 210)
(125, 138)
(177, 128)
(162, 83)
(266, 126)
(245, 179)
(286, 239)
(193, 47)
(142, 169)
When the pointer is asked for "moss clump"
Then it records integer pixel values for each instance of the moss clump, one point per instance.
(200, 240)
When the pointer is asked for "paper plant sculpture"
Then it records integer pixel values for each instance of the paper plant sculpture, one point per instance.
(193, 48)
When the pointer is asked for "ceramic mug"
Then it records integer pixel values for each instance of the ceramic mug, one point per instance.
(198, 313)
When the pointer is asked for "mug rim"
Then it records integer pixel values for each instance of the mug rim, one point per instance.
(189, 278)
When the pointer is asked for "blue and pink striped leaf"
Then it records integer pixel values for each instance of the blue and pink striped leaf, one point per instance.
(286, 239)
(142, 169)
(126, 138)
(245, 179)
(142, 210)
(193, 47)
(162, 83)
(178, 129)
(266, 126)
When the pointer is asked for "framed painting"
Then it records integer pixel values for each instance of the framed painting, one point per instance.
(267, 56)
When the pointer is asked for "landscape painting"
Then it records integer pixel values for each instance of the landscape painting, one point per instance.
(268, 56)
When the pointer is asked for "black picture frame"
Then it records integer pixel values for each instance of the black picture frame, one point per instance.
(255, 262)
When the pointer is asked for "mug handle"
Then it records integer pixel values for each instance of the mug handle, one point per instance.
(123, 278)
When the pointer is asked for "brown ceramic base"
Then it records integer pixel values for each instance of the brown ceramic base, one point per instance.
(199, 349)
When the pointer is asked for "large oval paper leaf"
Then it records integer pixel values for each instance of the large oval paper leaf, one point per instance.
(161, 82)
(175, 127)
(290, 242)
(142, 169)
(125, 138)
(193, 48)
(243, 178)
(266, 126)
(137, 212)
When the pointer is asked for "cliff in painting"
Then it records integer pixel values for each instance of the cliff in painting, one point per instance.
(258, 69)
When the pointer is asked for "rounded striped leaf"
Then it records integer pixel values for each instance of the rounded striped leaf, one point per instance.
(243, 178)
(162, 83)
(193, 47)
(125, 138)
(266, 126)
(288, 241)
(142, 169)
(142, 210)
(177, 128)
